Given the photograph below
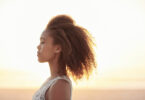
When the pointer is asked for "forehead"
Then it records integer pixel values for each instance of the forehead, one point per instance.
(45, 35)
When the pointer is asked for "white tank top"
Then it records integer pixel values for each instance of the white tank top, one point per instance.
(40, 93)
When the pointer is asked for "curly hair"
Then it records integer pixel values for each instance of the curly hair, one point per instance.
(77, 44)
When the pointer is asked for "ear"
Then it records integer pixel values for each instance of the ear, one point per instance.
(58, 48)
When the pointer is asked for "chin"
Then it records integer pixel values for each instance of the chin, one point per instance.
(42, 61)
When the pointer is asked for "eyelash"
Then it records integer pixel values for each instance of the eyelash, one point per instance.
(42, 42)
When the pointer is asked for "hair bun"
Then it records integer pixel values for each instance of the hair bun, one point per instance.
(60, 19)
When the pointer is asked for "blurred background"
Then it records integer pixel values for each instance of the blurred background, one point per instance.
(118, 27)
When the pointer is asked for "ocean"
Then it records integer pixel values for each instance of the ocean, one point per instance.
(79, 94)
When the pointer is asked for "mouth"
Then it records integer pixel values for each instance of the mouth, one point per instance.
(38, 53)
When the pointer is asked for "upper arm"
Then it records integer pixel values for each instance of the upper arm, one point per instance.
(60, 90)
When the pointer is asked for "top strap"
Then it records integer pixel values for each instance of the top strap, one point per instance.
(62, 77)
(53, 81)
(66, 79)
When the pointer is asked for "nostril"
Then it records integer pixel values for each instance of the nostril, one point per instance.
(37, 47)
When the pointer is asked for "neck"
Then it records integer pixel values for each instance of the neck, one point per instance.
(54, 68)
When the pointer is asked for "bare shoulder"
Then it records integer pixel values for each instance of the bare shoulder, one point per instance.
(60, 90)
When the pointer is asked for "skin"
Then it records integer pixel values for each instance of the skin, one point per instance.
(48, 52)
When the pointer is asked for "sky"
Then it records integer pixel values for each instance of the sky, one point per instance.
(118, 27)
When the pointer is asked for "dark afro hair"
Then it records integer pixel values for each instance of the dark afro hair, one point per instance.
(77, 44)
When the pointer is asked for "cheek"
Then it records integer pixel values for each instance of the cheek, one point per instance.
(48, 51)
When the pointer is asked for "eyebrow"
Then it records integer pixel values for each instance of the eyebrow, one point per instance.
(42, 38)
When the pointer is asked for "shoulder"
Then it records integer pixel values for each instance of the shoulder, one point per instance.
(60, 90)
(60, 84)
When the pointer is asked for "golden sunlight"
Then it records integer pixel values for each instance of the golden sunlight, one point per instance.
(118, 28)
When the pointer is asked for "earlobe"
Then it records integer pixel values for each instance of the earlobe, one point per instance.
(58, 49)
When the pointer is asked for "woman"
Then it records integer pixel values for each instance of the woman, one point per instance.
(68, 50)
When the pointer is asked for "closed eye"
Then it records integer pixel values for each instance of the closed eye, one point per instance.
(42, 42)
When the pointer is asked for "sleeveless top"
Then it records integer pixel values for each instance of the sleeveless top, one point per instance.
(40, 93)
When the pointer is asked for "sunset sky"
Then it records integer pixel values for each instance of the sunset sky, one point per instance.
(118, 27)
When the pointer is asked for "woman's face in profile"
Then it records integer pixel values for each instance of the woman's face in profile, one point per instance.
(46, 48)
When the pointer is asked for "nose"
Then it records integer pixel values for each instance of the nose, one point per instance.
(38, 47)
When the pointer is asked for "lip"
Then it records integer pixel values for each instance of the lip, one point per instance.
(38, 53)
